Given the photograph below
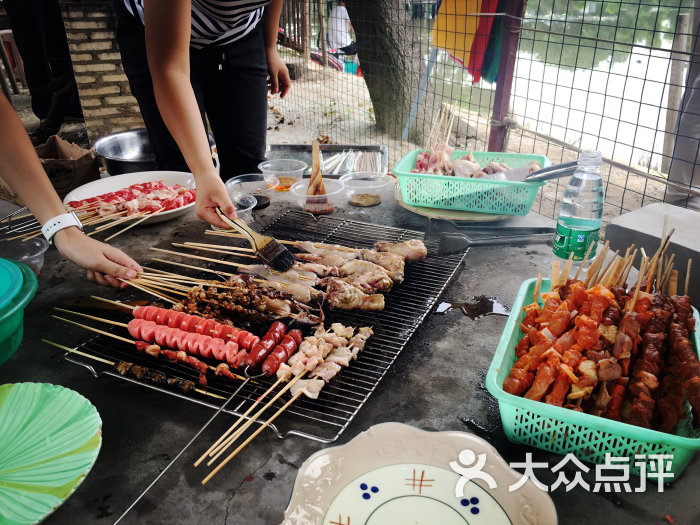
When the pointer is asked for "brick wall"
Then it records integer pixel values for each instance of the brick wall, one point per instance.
(103, 87)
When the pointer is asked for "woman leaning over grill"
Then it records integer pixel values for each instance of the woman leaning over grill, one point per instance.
(189, 58)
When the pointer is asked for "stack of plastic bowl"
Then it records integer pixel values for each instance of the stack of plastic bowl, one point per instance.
(288, 171)
(18, 285)
(262, 187)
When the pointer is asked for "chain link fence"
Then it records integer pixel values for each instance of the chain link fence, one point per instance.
(605, 75)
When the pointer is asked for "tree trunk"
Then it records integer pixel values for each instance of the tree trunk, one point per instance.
(391, 61)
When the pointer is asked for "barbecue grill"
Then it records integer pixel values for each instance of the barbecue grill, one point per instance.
(324, 419)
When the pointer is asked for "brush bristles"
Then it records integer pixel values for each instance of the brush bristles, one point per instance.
(276, 256)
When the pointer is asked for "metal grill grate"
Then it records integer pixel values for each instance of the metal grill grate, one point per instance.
(326, 418)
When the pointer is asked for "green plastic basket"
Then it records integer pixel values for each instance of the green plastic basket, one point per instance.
(459, 193)
(564, 431)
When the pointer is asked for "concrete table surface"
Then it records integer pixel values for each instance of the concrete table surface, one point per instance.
(437, 383)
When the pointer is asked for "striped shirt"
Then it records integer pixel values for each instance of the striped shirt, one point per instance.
(216, 22)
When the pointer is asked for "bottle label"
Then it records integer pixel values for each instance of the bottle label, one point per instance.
(567, 240)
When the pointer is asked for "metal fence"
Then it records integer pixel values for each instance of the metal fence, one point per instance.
(606, 75)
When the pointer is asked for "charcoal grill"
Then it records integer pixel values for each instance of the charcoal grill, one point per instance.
(326, 418)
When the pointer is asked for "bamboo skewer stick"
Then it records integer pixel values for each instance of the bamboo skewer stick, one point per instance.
(593, 268)
(673, 283)
(76, 351)
(115, 323)
(554, 278)
(536, 292)
(564, 276)
(233, 427)
(135, 223)
(96, 330)
(229, 441)
(585, 258)
(147, 290)
(153, 286)
(604, 272)
(114, 223)
(432, 130)
(642, 272)
(262, 427)
(213, 250)
(217, 272)
(201, 258)
(239, 236)
(664, 282)
(687, 277)
(651, 270)
(113, 302)
(667, 273)
(628, 269)
(222, 246)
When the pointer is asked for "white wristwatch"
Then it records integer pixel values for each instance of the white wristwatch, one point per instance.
(58, 223)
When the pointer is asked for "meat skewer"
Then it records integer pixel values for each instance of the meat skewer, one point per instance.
(310, 388)
(141, 373)
(186, 342)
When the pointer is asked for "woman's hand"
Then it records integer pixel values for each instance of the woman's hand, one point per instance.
(212, 194)
(104, 263)
(278, 80)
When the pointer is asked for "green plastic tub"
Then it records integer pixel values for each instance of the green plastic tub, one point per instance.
(459, 193)
(563, 431)
(12, 316)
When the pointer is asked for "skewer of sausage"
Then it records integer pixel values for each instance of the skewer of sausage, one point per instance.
(195, 324)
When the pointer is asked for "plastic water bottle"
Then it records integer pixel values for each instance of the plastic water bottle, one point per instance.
(581, 210)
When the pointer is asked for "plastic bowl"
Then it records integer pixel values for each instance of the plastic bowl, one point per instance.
(318, 204)
(12, 316)
(288, 171)
(262, 187)
(369, 183)
(30, 252)
(244, 204)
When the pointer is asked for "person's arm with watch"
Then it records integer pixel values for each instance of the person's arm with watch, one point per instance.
(21, 169)
(168, 25)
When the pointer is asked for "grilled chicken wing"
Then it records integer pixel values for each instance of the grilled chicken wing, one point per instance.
(347, 297)
(393, 264)
(326, 260)
(413, 250)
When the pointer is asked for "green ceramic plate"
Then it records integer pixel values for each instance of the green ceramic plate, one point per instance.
(49, 440)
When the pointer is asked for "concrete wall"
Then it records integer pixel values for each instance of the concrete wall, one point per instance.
(103, 87)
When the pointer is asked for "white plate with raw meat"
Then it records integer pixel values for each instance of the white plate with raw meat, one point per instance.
(175, 195)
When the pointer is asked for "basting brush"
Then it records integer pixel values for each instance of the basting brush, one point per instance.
(268, 250)
(316, 200)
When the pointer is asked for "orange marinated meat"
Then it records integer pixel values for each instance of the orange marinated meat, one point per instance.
(518, 381)
(559, 390)
(550, 306)
(564, 342)
(600, 298)
(560, 320)
(587, 333)
(546, 375)
(522, 347)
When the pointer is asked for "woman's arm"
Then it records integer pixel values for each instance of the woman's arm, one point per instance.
(279, 74)
(168, 27)
(22, 170)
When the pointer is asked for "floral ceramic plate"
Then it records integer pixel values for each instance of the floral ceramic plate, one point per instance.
(49, 440)
(398, 474)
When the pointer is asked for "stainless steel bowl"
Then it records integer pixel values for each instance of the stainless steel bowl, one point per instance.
(129, 151)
